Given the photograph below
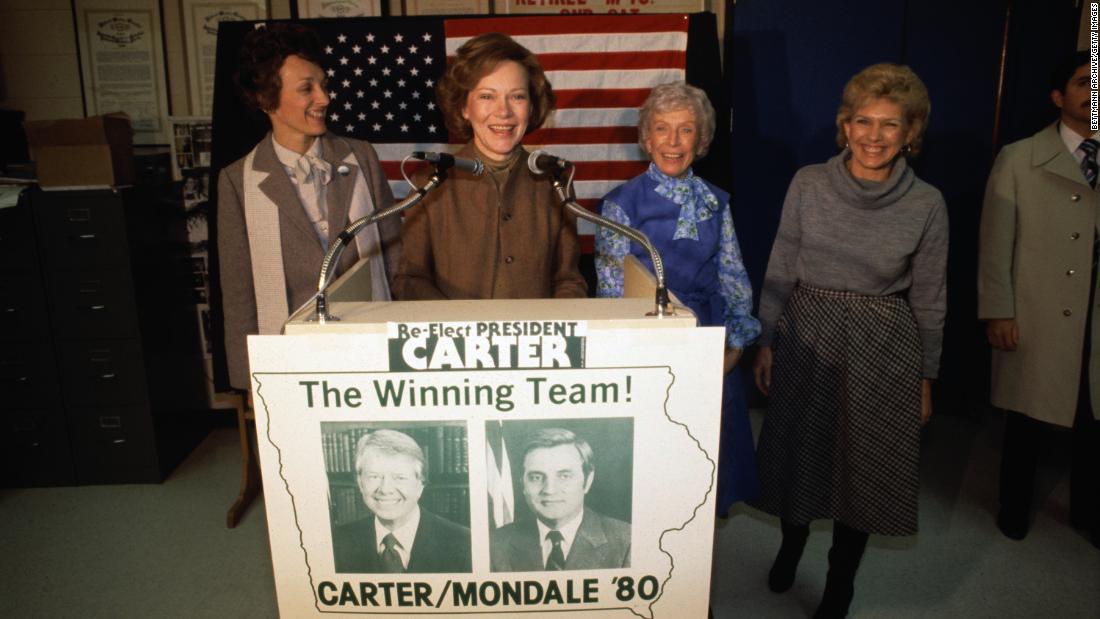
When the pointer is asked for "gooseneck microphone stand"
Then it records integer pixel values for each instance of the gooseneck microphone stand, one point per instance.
(662, 307)
(332, 256)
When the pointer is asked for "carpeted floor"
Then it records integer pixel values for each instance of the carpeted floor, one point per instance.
(164, 551)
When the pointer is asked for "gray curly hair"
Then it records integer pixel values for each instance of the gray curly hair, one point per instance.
(677, 96)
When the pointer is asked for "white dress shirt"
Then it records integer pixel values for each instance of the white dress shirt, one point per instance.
(1073, 140)
(568, 533)
(311, 193)
(405, 535)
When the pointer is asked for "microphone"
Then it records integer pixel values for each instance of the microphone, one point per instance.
(446, 160)
(542, 162)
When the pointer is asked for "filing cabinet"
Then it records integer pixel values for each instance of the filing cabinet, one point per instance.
(100, 363)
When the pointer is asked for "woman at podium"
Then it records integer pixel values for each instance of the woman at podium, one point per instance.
(689, 221)
(500, 235)
(281, 205)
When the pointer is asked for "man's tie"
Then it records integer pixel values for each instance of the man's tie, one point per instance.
(1088, 164)
(556, 560)
(391, 561)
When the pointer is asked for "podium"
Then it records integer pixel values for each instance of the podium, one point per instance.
(471, 382)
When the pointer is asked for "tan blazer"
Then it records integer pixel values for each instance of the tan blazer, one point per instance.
(1037, 228)
(466, 241)
(302, 250)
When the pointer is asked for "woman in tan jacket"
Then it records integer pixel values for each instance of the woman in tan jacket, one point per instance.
(501, 235)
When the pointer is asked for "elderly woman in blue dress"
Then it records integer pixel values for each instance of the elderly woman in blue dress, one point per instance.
(689, 221)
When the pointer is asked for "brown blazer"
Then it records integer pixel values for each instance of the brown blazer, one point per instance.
(466, 241)
(302, 251)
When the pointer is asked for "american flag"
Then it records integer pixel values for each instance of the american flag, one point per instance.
(382, 77)
(498, 476)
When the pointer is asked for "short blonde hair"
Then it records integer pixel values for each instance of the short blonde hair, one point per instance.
(893, 82)
(677, 96)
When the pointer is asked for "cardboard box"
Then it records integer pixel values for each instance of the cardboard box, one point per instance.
(83, 152)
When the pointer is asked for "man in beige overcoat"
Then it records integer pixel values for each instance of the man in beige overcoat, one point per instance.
(1036, 286)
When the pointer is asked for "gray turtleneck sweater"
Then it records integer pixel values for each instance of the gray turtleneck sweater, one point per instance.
(874, 238)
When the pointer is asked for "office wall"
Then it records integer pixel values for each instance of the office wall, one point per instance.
(39, 73)
(39, 62)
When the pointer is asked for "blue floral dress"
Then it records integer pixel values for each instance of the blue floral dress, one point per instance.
(689, 222)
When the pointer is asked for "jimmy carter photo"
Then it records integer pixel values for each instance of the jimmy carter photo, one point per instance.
(399, 497)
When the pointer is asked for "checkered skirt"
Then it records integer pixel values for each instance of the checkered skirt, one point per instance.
(841, 439)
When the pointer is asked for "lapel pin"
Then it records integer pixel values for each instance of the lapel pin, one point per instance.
(343, 170)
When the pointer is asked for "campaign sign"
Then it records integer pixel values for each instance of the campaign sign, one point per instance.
(499, 468)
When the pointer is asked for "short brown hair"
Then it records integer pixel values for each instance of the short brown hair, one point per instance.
(548, 438)
(477, 58)
(894, 82)
(262, 56)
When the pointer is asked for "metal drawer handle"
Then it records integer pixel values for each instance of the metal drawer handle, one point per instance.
(118, 441)
(85, 237)
(96, 308)
(9, 310)
(108, 376)
(78, 214)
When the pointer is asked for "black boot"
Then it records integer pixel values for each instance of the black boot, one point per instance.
(781, 576)
(1019, 461)
(844, 557)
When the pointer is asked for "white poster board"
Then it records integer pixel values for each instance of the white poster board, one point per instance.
(646, 402)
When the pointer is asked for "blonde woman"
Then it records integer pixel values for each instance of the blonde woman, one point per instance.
(852, 311)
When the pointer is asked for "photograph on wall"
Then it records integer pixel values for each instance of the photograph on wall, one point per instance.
(512, 444)
(191, 147)
(571, 491)
(399, 496)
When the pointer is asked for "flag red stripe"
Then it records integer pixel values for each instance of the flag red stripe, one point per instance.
(608, 170)
(583, 135)
(601, 25)
(605, 97)
(613, 61)
(587, 243)
(392, 169)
